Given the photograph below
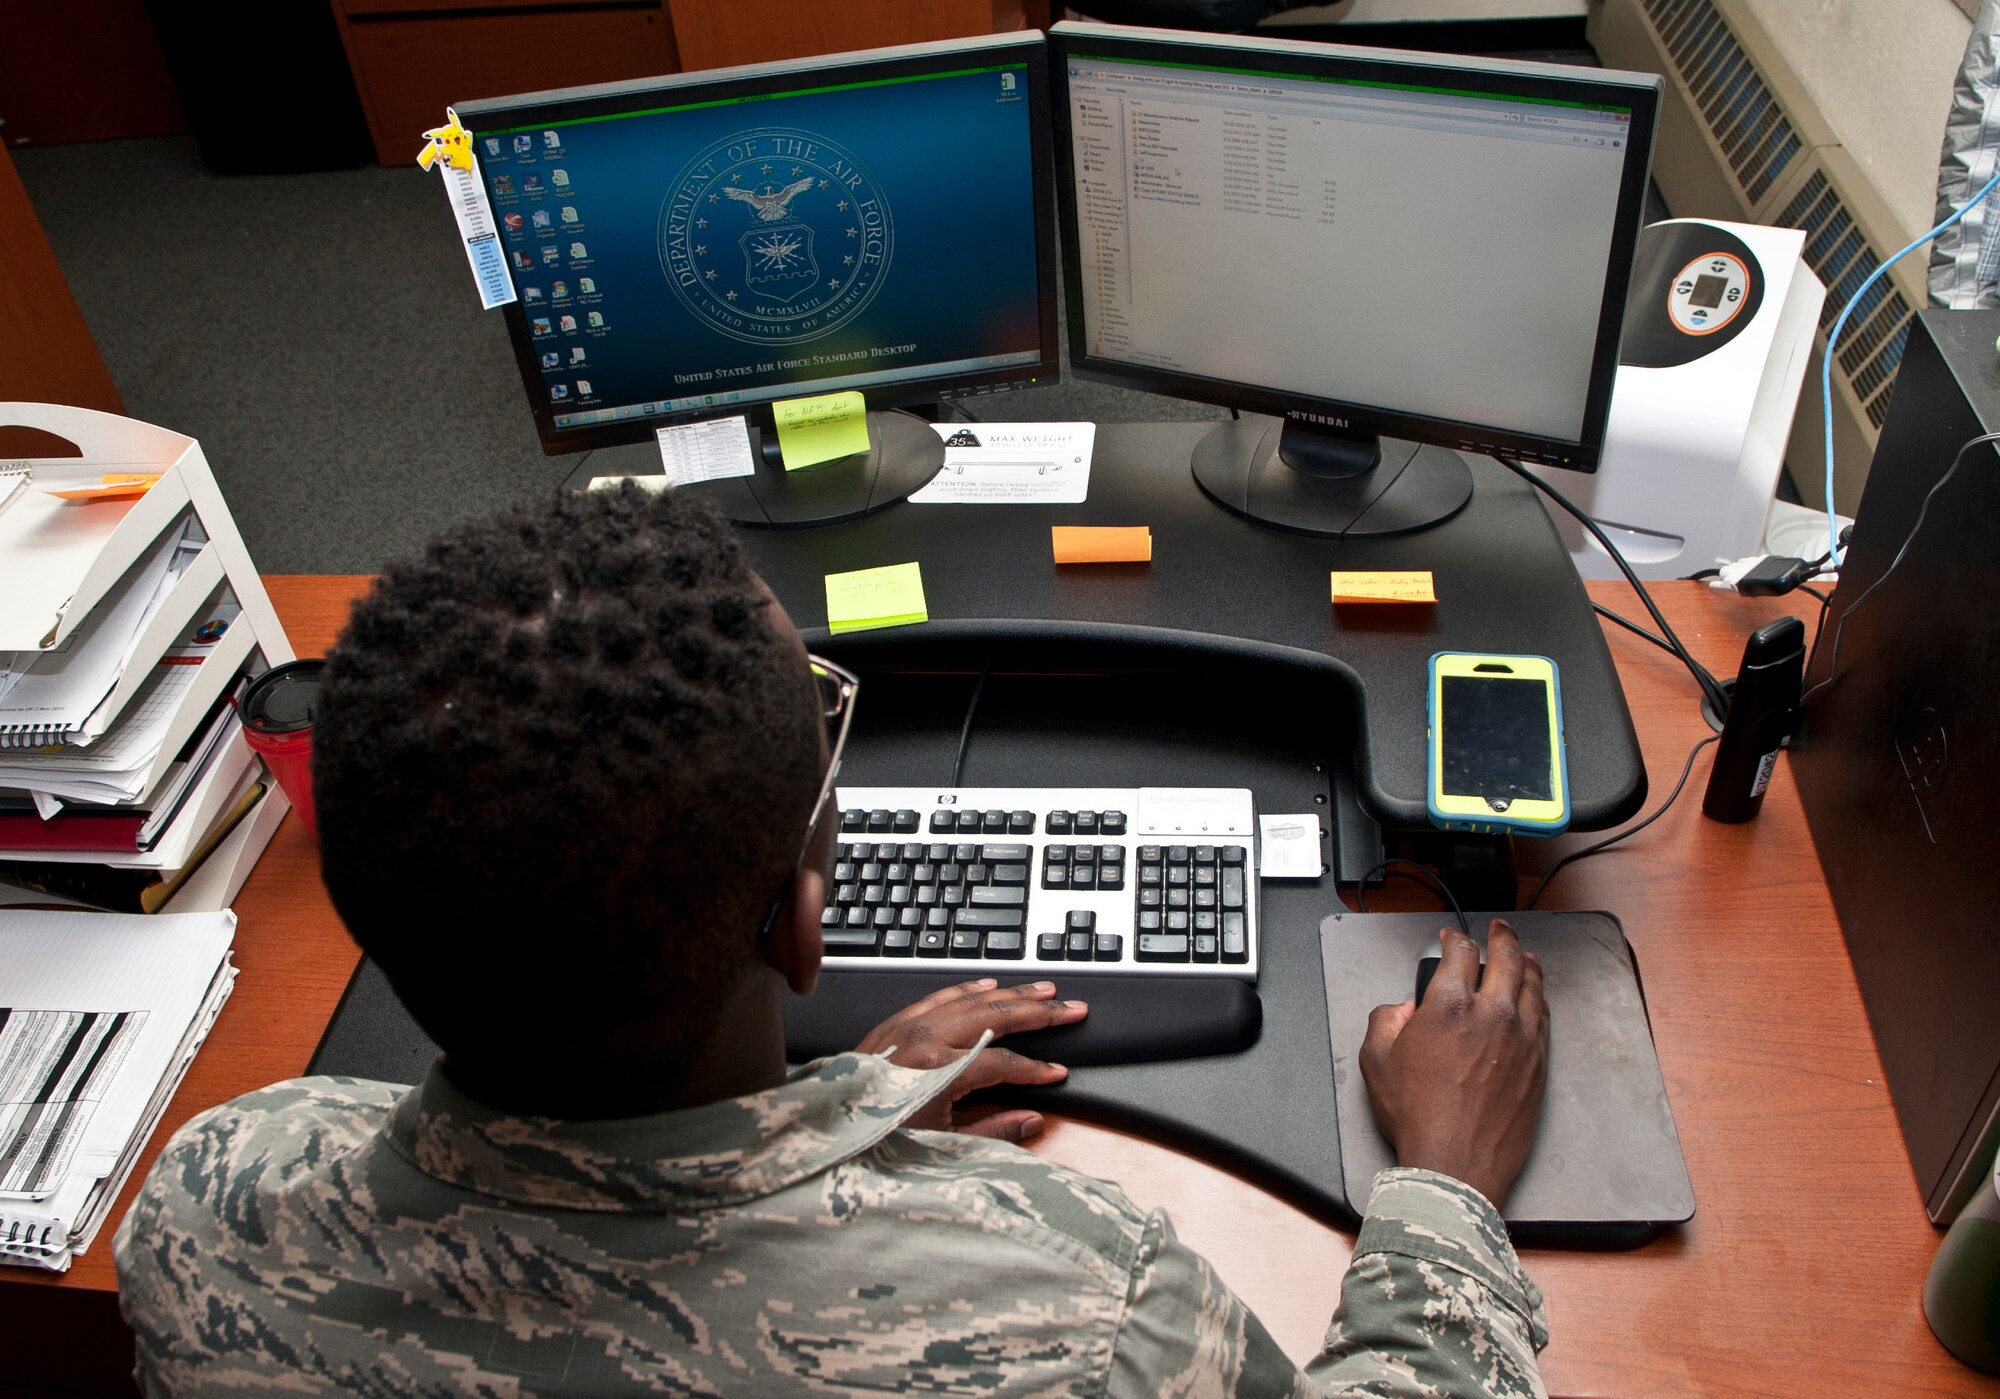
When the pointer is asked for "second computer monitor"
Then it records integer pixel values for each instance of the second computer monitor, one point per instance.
(1395, 254)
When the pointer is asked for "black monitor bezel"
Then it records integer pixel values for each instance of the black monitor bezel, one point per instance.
(488, 115)
(1282, 57)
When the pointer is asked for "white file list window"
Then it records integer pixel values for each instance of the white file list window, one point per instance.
(1426, 251)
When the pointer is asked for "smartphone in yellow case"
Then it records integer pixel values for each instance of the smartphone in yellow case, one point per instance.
(1496, 763)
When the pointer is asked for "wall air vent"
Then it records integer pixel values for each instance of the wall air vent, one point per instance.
(1836, 249)
(1741, 139)
(1747, 121)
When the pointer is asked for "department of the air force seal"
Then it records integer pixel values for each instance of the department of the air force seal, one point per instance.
(775, 236)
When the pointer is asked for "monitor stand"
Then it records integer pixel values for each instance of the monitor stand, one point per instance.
(904, 453)
(1316, 480)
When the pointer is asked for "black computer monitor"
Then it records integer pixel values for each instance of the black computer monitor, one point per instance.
(1397, 254)
(709, 243)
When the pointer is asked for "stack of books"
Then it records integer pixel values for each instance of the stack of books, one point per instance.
(130, 621)
(100, 1016)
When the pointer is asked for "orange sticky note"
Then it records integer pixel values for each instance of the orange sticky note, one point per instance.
(111, 486)
(1102, 544)
(1383, 586)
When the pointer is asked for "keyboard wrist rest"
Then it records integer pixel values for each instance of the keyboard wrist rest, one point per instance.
(1132, 1020)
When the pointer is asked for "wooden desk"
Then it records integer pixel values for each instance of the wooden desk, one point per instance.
(1803, 1268)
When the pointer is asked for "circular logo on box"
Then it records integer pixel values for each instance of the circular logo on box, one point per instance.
(775, 236)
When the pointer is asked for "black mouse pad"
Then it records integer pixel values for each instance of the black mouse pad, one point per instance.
(1606, 1166)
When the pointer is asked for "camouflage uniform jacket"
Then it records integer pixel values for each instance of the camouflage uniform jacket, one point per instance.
(333, 1235)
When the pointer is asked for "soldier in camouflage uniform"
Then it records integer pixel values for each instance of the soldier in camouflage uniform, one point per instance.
(530, 747)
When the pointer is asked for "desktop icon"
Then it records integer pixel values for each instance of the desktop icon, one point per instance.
(595, 320)
(532, 183)
(550, 254)
(558, 391)
(523, 144)
(551, 140)
(586, 286)
(569, 213)
(503, 184)
(492, 145)
(568, 323)
(583, 387)
(1006, 82)
(551, 360)
(541, 218)
(523, 259)
(577, 250)
(531, 293)
(576, 355)
(511, 222)
(559, 178)
(540, 325)
(559, 290)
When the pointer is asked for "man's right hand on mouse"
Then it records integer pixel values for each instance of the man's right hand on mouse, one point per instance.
(1456, 1084)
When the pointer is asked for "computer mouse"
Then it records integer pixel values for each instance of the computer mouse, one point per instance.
(1427, 968)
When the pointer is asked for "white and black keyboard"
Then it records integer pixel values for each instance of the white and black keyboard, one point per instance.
(1134, 879)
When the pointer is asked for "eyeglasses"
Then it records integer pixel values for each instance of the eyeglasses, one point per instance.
(837, 688)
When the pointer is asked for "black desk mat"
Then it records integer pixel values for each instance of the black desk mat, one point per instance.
(1267, 1111)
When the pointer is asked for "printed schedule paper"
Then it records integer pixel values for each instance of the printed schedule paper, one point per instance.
(715, 450)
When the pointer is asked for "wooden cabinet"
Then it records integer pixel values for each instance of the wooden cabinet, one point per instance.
(413, 58)
(722, 33)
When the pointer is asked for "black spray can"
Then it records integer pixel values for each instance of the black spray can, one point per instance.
(1763, 710)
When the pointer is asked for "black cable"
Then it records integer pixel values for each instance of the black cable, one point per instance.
(1423, 874)
(1610, 841)
(965, 732)
(1708, 684)
(1823, 598)
(1833, 662)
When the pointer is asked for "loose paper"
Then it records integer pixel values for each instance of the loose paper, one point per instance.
(715, 450)
(1288, 847)
(875, 597)
(1384, 586)
(1012, 464)
(655, 484)
(1102, 544)
(815, 430)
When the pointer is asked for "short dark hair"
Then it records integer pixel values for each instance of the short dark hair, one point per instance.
(567, 750)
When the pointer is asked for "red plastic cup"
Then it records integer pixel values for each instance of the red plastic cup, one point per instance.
(277, 713)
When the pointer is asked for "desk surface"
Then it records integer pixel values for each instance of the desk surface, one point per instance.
(1801, 1272)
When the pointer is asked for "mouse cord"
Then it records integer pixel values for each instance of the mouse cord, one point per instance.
(1610, 841)
(1709, 687)
(1423, 874)
(971, 708)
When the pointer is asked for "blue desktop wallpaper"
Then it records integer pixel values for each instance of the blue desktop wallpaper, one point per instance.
(666, 257)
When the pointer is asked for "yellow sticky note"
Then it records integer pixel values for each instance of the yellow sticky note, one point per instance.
(1383, 586)
(813, 430)
(875, 597)
(1102, 543)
